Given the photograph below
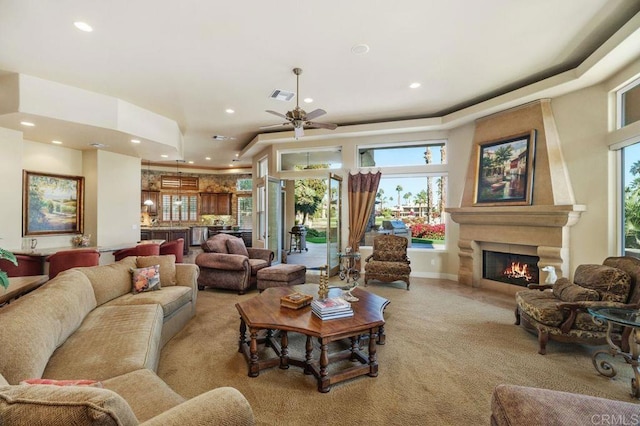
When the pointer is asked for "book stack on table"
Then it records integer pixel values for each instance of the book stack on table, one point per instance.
(331, 308)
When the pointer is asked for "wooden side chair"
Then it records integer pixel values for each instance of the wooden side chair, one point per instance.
(67, 259)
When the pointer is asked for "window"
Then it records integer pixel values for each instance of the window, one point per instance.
(329, 158)
(631, 200)
(415, 154)
(179, 207)
(245, 211)
(416, 197)
(628, 99)
(244, 185)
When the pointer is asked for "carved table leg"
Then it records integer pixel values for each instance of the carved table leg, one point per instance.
(323, 380)
(284, 354)
(243, 334)
(355, 345)
(307, 356)
(381, 336)
(254, 368)
(373, 362)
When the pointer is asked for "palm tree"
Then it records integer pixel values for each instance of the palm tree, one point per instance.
(501, 155)
(421, 199)
(399, 190)
(407, 196)
(380, 197)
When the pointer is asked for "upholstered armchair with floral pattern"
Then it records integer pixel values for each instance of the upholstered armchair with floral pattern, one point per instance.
(559, 311)
(389, 261)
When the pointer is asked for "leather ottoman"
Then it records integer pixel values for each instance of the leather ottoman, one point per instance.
(281, 275)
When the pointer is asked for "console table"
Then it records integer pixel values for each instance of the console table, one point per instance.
(19, 286)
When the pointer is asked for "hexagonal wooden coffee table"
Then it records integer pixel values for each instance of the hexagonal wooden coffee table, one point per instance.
(264, 312)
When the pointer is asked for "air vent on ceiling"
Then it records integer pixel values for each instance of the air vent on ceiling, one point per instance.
(282, 95)
(222, 138)
(98, 145)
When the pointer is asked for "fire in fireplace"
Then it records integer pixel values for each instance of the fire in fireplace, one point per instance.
(510, 268)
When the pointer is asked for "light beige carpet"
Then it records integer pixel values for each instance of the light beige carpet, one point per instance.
(445, 352)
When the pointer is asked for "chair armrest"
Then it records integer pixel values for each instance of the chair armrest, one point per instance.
(221, 406)
(574, 307)
(226, 262)
(187, 274)
(369, 257)
(260, 253)
(540, 287)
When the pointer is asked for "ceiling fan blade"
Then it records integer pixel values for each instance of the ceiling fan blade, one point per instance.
(315, 113)
(329, 126)
(273, 126)
(298, 132)
(278, 114)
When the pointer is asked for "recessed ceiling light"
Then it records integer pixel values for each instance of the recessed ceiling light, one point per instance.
(415, 85)
(229, 111)
(164, 156)
(308, 100)
(190, 162)
(207, 158)
(27, 123)
(135, 140)
(230, 165)
(56, 142)
(360, 49)
(237, 155)
(83, 26)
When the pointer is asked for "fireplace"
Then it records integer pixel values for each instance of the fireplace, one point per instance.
(510, 268)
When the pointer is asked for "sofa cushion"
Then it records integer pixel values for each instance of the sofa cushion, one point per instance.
(542, 306)
(167, 264)
(169, 298)
(63, 405)
(236, 246)
(157, 397)
(110, 281)
(145, 279)
(612, 284)
(256, 265)
(388, 268)
(33, 326)
(567, 291)
(112, 340)
(66, 382)
(216, 245)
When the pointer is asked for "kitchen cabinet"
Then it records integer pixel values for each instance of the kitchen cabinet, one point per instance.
(153, 196)
(167, 234)
(218, 203)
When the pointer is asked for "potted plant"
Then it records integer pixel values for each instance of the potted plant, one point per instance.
(7, 255)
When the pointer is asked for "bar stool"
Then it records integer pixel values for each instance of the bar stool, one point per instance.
(140, 250)
(67, 259)
(27, 266)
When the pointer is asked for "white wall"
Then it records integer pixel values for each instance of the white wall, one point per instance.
(10, 188)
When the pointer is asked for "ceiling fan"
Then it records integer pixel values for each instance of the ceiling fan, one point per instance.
(298, 117)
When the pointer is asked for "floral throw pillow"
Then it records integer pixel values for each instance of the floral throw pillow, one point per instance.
(145, 279)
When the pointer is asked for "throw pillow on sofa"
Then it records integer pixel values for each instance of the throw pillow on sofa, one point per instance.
(236, 246)
(145, 279)
(167, 264)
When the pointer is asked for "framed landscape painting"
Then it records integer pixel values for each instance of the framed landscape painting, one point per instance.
(505, 171)
(52, 204)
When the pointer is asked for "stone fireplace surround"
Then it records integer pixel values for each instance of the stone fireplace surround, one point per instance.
(540, 229)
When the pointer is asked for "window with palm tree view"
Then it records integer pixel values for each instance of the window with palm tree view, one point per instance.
(409, 204)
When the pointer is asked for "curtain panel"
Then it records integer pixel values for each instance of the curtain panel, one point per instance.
(363, 188)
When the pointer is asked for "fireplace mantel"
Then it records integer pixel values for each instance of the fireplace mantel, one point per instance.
(543, 216)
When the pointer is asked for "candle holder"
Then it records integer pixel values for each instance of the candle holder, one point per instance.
(323, 290)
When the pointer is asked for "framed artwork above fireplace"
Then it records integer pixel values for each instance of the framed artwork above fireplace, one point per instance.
(504, 175)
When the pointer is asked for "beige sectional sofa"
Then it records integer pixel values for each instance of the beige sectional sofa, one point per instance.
(86, 324)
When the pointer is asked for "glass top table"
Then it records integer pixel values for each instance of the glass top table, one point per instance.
(629, 318)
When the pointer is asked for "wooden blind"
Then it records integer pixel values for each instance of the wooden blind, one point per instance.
(187, 183)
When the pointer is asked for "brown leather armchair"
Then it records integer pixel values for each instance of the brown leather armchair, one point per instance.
(389, 261)
(227, 263)
(559, 311)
